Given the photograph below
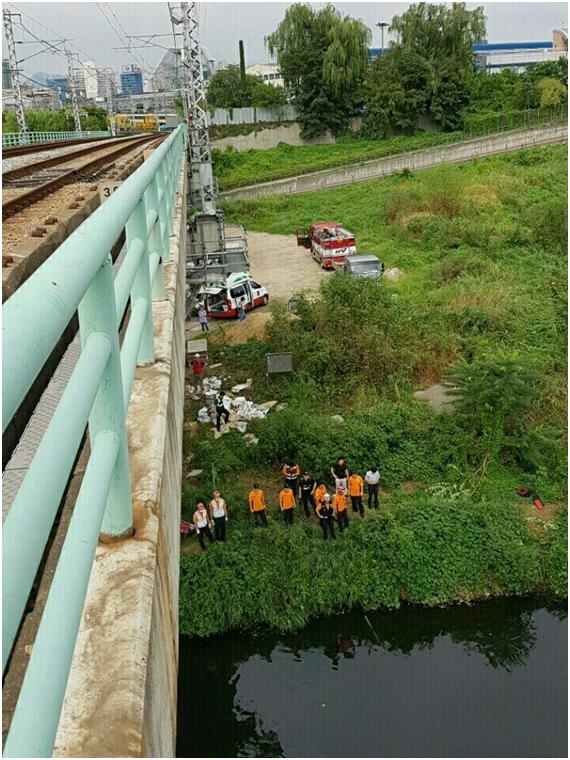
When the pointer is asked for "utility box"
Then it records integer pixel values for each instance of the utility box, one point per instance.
(279, 363)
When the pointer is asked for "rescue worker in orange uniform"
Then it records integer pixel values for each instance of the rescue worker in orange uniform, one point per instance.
(257, 505)
(218, 515)
(356, 490)
(339, 504)
(325, 513)
(291, 472)
(319, 492)
(287, 502)
(201, 523)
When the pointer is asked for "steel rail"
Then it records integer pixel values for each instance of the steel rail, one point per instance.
(30, 196)
(39, 147)
(45, 163)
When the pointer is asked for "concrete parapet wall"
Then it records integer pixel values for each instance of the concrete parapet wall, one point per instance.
(121, 695)
(260, 139)
(422, 159)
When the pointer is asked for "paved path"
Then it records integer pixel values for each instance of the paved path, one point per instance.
(463, 150)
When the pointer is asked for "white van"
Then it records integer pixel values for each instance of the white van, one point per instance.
(222, 298)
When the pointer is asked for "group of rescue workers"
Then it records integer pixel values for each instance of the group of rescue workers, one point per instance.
(310, 493)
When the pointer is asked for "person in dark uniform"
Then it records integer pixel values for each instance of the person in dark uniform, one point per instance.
(325, 513)
(306, 488)
(221, 410)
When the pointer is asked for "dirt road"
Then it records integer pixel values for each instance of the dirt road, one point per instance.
(276, 262)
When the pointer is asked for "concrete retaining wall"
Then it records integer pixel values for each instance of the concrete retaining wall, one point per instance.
(121, 695)
(270, 138)
(462, 151)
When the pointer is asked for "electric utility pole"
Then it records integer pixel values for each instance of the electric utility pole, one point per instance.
(108, 74)
(200, 151)
(14, 71)
(74, 106)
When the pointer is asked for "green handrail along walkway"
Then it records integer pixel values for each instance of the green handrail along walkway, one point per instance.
(12, 139)
(78, 277)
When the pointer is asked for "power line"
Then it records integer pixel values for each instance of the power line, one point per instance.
(51, 31)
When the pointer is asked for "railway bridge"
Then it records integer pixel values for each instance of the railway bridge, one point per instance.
(92, 488)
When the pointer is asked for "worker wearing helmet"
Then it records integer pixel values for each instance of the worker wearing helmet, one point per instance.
(256, 501)
(306, 493)
(218, 515)
(197, 368)
(221, 410)
(325, 513)
(201, 523)
(286, 503)
(341, 512)
(356, 490)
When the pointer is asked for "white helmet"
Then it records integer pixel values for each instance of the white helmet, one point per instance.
(327, 497)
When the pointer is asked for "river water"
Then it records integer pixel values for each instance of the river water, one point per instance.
(487, 680)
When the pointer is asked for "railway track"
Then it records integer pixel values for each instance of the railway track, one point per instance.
(41, 178)
(24, 150)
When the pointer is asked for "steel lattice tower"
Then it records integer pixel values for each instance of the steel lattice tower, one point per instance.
(199, 143)
(20, 116)
(74, 106)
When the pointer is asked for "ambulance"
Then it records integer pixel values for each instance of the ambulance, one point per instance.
(222, 298)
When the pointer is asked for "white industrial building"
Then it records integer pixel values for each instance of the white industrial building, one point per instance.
(268, 72)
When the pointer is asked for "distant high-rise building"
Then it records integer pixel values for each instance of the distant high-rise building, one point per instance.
(106, 83)
(167, 76)
(61, 84)
(131, 80)
(90, 76)
(6, 75)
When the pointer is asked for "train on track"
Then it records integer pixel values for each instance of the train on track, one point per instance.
(144, 122)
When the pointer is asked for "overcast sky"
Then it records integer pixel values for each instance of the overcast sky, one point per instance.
(224, 23)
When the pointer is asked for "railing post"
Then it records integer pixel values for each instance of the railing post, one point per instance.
(155, 243)
(136, 228)
(97, 313)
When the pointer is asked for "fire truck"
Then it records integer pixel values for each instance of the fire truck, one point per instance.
(329, 243)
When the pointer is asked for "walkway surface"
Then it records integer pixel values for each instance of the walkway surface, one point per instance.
(463, 150)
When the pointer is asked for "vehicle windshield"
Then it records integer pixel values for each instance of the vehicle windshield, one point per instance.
(370, 266)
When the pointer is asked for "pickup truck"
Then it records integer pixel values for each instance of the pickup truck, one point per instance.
(362, 265)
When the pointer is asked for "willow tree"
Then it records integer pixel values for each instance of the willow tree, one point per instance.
(323, 56)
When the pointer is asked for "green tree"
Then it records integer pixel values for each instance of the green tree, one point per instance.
(439, 39)
(323, 57)
(395, 92)
(438, 32)
(493, 396)
(551, 92)
(227, 90)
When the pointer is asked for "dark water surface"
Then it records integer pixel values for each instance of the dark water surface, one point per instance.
(487, 680)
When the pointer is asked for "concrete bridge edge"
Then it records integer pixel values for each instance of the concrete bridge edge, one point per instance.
(122, 692)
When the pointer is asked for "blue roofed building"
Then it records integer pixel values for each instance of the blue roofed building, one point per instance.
(494, 56)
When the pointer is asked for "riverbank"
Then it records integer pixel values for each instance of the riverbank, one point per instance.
(480, 296)
(418, 548)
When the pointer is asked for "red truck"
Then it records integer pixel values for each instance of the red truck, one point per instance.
(328, 242)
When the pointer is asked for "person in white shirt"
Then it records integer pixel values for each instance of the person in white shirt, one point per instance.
(201, 523)
(219, 516)
(372, 477)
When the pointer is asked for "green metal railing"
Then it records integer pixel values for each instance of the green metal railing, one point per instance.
(78, 277)
(11, 139)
